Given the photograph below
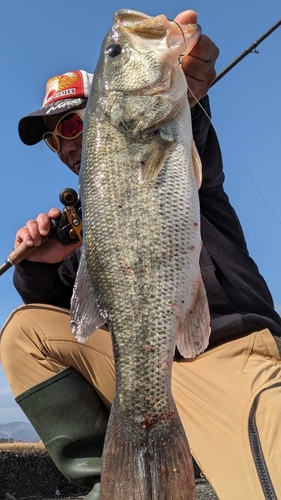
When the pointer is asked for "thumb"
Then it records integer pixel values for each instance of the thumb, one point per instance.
(187, 17)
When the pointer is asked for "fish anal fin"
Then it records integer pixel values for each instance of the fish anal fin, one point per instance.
(154, 158)
(194, 332)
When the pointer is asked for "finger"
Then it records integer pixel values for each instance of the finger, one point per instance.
(198, 73)
(33, 232)
(186, 17)
(201, 59)
(205, 49)
(23, 235)
(43, 223)
(199, 66)
(54, 213)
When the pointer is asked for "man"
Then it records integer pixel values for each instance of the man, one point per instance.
(229, 398)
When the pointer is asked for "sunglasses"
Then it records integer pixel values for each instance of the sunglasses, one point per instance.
(68, 127)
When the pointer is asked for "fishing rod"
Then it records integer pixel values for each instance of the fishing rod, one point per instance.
(67, 228)
(249, 50)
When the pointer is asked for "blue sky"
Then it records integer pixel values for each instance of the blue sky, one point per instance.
(39, 40)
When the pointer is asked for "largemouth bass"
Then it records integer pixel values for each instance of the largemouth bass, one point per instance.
(139, 270)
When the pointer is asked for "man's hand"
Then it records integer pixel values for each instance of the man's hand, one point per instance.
(199, 64)
(50, 252)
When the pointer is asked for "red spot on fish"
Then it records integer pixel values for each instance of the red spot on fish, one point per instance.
(148, 422)
(129, 269)
(191, 247)
(195, 224)
(147, 348)
(171, 415)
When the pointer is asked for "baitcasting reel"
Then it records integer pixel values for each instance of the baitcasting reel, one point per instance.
(69, 224)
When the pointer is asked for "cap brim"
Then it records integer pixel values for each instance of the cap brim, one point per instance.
(32, 127)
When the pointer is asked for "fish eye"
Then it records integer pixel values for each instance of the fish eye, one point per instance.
(113, 50)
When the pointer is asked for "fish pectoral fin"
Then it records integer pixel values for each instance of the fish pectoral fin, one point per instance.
(155, 157)
(197, 165)
(85, 315)
(194, 332)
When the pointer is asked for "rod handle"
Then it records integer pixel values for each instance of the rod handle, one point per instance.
(23, 251)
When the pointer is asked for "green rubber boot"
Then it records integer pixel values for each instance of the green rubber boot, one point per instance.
(71, 420)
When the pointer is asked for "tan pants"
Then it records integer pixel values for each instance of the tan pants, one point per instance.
(216, 393)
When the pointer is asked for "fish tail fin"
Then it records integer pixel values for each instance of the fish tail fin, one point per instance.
(194, 332)
(148, 463)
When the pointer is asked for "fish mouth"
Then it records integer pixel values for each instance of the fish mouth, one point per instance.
(142, 24)
(158, 28)
(158, 35)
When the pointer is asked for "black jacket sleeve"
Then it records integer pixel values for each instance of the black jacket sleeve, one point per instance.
(47, 283)
(239, 299)
(214, 202)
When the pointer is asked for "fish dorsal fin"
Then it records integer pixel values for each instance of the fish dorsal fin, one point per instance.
(155, 157)
(197, 165)
(86, 316)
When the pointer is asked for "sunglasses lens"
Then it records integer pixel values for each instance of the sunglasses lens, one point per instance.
(52, 141)
(70, 126)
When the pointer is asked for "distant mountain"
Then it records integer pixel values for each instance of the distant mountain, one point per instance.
(19, 431)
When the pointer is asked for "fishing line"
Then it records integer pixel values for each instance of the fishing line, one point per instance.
(251, 49)
(184, 40)
(240, 161)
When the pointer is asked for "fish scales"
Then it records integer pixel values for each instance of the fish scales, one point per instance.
(139, 269)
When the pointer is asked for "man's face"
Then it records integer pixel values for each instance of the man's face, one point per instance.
(71, 149)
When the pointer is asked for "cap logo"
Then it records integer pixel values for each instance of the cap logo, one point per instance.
(68, 103)
(63, 86)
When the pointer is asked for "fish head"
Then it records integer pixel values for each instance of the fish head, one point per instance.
(141, 54)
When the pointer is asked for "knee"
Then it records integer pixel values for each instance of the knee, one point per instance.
(13, 337)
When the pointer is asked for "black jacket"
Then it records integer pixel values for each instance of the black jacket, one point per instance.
(238, 296)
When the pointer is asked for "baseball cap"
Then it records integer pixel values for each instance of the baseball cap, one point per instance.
(63, 93)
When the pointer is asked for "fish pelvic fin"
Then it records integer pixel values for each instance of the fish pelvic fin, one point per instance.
(197, 165)
(155, 157)
(85, 315)
(150, 462)
(194, 332)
